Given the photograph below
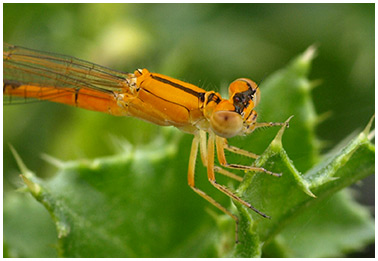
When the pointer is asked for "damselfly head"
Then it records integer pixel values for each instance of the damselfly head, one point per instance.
(236, 116)
(244, 94)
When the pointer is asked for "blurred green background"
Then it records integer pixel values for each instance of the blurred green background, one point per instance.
(209, 45)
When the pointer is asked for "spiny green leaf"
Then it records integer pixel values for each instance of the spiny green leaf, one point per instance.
(285, 200)
(108, 207)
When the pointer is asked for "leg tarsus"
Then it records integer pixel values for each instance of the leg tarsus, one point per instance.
(227, 173)
(233, 196)
(221, 144)
(251, 168)
(237, 150)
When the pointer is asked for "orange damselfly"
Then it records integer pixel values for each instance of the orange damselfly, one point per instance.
(149, 96)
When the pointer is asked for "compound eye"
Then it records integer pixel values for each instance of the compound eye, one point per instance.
(226, 124)
(256, 97)
(246, 87)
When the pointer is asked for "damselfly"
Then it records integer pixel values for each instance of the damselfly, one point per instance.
(149, 96)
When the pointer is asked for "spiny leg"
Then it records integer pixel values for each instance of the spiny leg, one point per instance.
(221, 144)
(191, 182)
(256, 125)
(271, 124)
(211, 176)
(227, 173)
(239, 151)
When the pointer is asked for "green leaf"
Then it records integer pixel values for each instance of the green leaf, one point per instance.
(329, 228)
(288, 201)
(121, 206)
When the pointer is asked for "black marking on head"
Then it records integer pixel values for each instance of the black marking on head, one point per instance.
(242, 99)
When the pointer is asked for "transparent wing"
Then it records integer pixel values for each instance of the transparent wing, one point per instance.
(63, 74)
